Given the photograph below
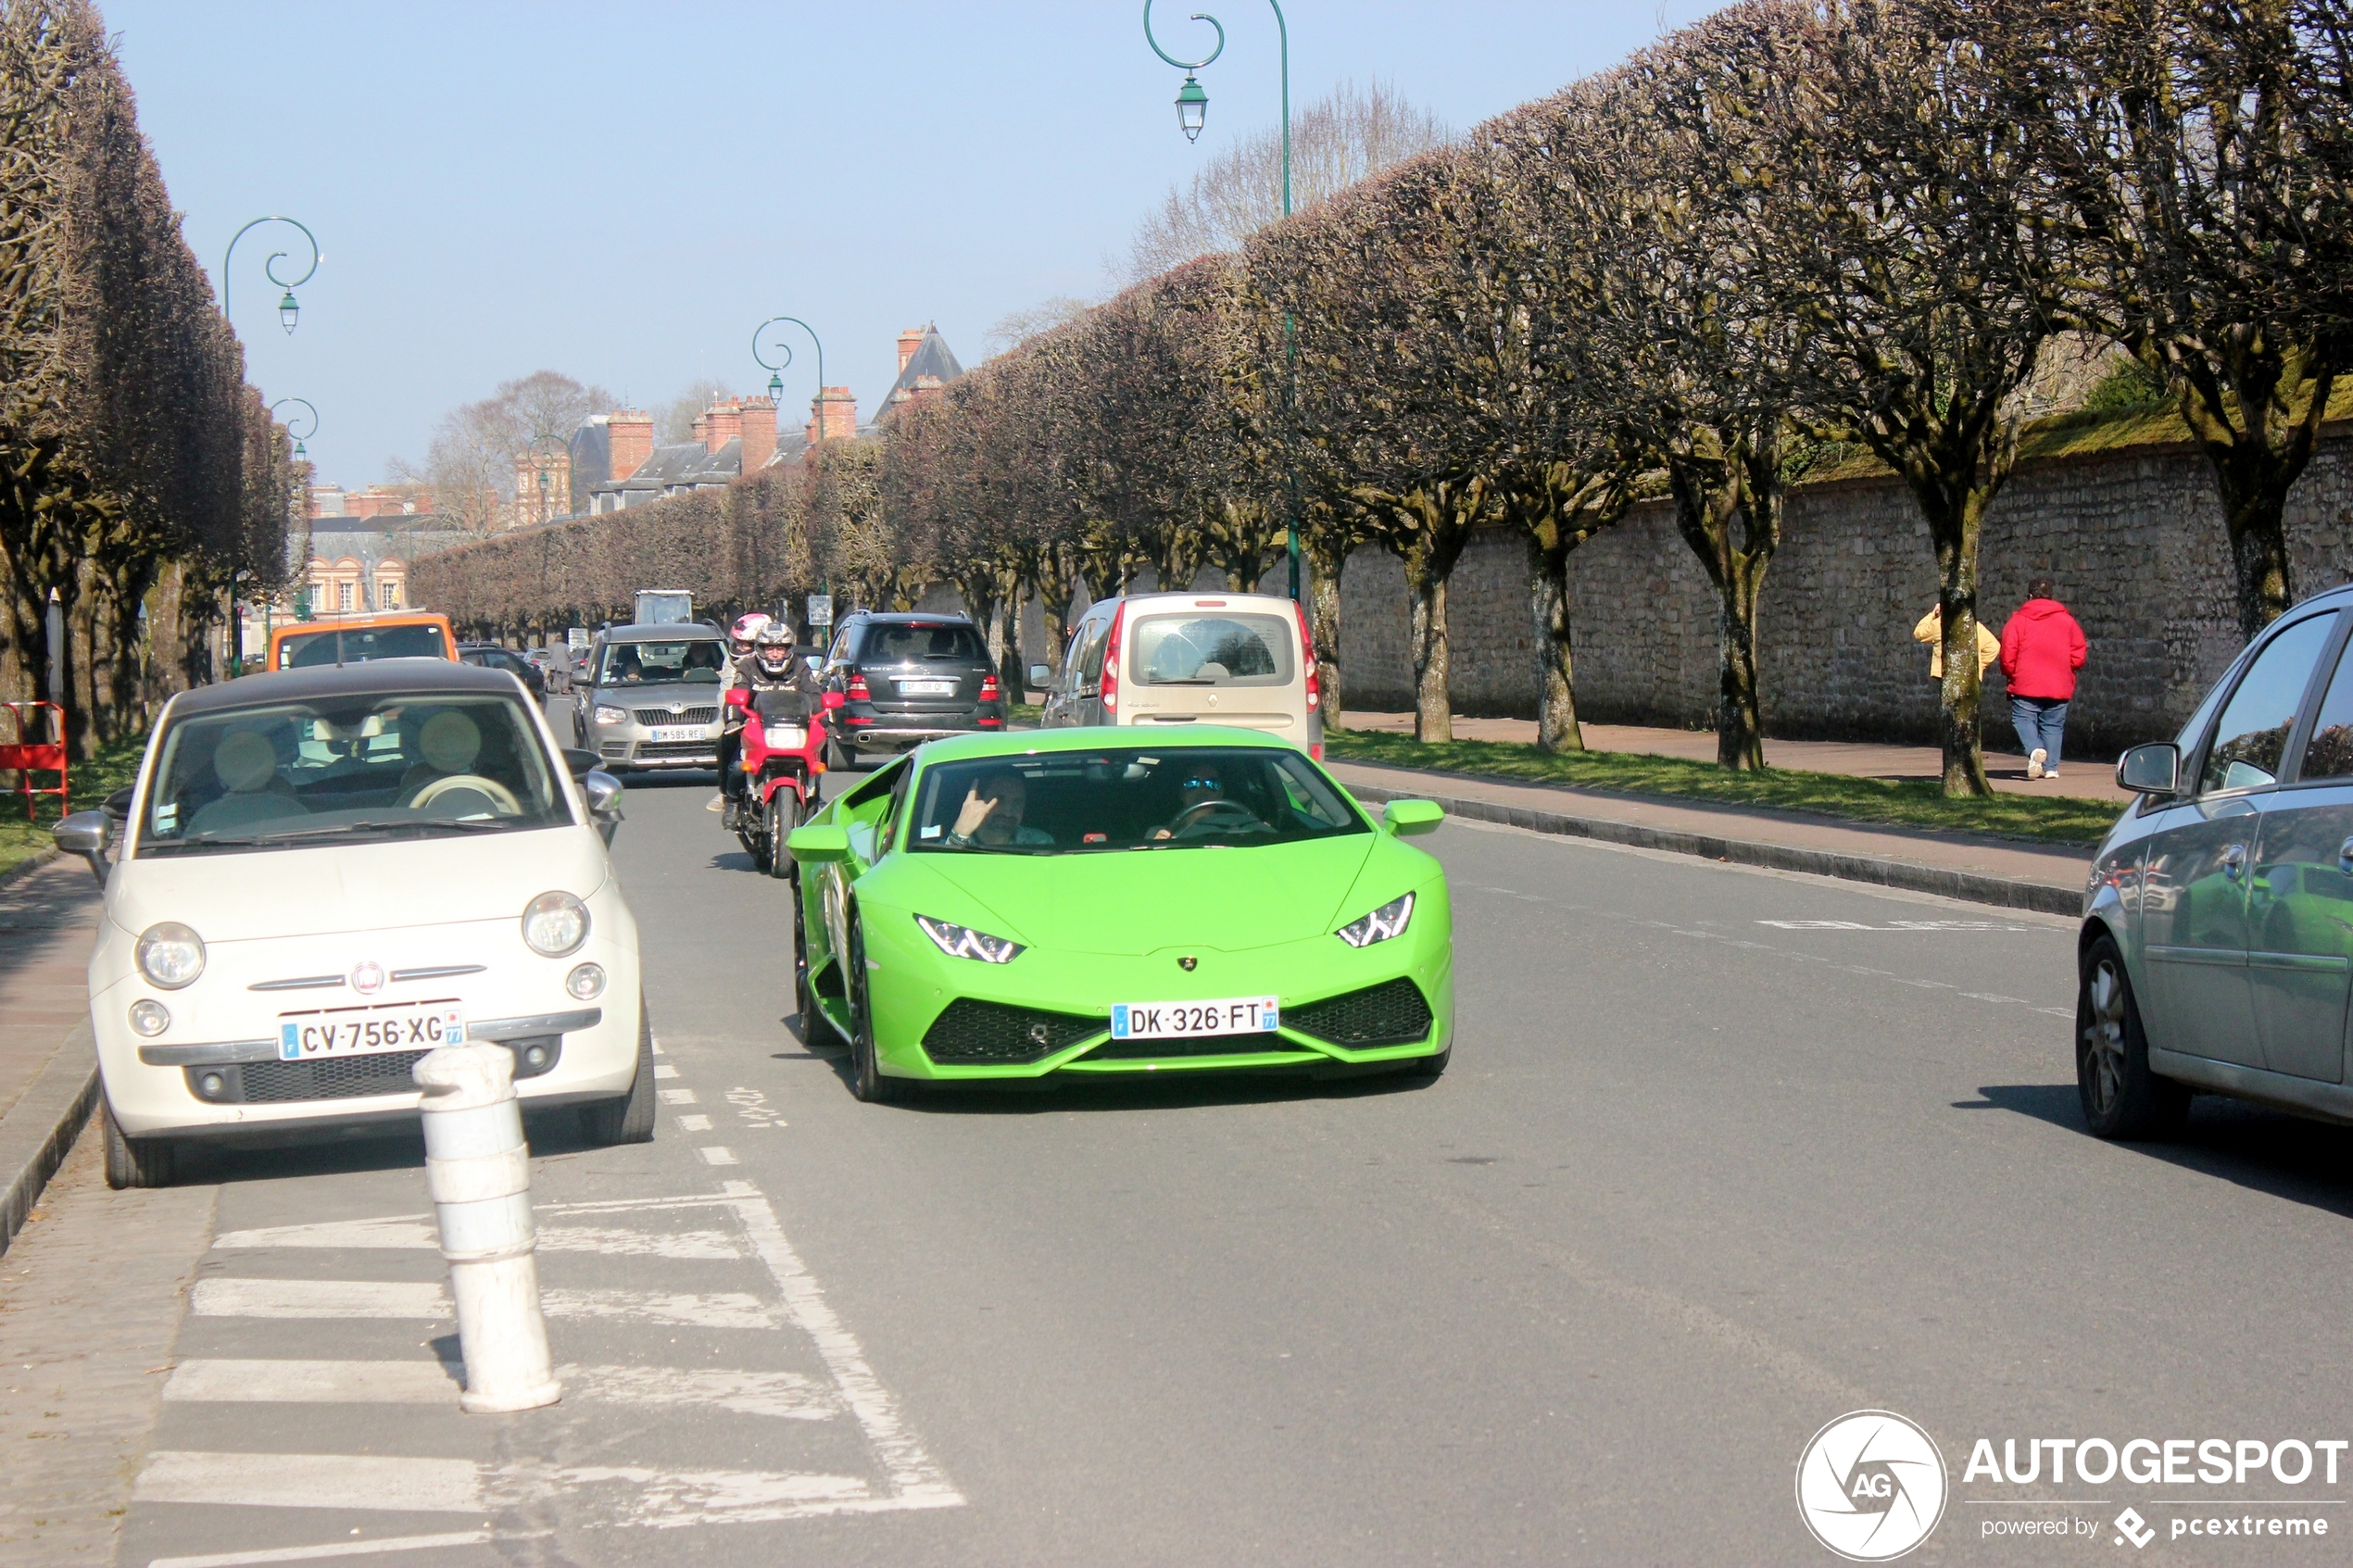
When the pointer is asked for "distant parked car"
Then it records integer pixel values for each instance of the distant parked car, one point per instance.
(490, 656)
(2217, 944)
(894, 681)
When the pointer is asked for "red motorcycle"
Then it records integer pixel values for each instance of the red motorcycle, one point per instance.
(783, 758)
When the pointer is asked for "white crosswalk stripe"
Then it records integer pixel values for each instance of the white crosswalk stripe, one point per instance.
(856, 1456)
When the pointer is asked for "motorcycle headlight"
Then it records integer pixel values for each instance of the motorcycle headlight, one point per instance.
(1388, 920)
(963, 942)
(787, 737)
(170, 955)
(611, 715)
(554, 924)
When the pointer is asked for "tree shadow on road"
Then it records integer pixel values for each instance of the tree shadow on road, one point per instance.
(2251, 1145)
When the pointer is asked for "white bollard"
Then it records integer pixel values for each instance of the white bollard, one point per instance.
(478, 1173)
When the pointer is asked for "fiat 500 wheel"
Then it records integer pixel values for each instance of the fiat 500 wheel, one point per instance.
(2122, 1097)
(629, 1118)
(136, 1162)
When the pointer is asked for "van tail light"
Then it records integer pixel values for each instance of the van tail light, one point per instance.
(989, 690)
(857, 692)
(1307, 652)
(1110, 661)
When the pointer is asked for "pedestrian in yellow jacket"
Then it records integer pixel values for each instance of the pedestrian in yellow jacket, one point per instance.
(1931, 631)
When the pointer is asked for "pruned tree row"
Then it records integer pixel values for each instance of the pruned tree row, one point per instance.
(139, 475)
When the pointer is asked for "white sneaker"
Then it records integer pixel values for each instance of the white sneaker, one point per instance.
(718, 803)
(2050, 773)
(2034, 763)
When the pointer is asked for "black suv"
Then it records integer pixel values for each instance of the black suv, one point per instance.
(490, 656)
(893, 682)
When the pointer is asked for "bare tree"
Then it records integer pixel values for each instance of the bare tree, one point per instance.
(674, 420)
(1338, 140)
(1017, 327)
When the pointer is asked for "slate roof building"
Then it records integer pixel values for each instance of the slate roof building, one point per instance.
(731, 436)
(925, 366)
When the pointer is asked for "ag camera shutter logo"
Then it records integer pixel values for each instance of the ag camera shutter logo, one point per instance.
(1870, 1485)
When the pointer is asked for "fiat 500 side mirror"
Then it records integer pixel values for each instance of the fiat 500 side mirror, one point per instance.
(2153, 769)
(1409, 818)
(580, 763)
(817, 843)
(85, 833)
(604, 800)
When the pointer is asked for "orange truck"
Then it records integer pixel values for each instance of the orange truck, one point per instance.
(356, 639)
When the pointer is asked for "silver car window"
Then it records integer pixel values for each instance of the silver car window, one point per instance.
(2251, 737)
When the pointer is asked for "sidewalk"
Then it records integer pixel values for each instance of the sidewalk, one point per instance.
(2008, 771)
(1981, 869)
(48, 1072)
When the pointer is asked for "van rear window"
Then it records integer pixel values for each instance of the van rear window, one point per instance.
(359, 645)
(1213, 649)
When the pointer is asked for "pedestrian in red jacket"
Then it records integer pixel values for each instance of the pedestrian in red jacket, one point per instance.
(2042, 649)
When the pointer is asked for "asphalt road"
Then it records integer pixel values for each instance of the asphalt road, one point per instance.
(1723, 1155)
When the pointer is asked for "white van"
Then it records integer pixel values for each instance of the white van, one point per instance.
(1244, 660)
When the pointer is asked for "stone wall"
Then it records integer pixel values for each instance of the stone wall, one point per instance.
(2133, 538)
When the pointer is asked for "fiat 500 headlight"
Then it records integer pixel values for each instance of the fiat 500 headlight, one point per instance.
(1388, 920)
(554, 923)
(611, 715)
(170, 955)
(963, 942)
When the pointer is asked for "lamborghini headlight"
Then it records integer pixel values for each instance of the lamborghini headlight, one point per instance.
(963, 942)
(1388, 920)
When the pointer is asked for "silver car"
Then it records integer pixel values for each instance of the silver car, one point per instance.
(651, 697)
(2217, 945)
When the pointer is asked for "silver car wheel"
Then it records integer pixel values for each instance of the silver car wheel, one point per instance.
(2103, 1032)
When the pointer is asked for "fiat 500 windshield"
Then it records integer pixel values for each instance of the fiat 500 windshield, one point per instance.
(295, 775)
(1067, 803)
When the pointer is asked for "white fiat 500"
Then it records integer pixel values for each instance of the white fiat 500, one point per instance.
(322, 874)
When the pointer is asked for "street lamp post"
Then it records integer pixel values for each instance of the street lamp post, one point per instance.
(300, 436)
(775, 376)
(288, 311)
(1193, 113)
(545, 462)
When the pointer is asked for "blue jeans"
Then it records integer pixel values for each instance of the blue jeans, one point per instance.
(2039, 720)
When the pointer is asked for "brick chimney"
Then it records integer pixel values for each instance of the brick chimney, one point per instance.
(630, 436)
(908, 341)
(759, 432)
(702, 423)
(837, 407)
(723, 422)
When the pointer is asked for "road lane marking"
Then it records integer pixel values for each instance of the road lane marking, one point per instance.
(915, 1479)
(677, 1096)
(694, 1123)
(400, 1485)
(426, 1300)
(338, 1548)
(663, 1070)
(717, 1155)
(782, 1394)
(416, 1234)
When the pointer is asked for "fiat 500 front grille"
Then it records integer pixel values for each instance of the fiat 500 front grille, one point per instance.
(1392, 1013)
(969, 1032)
(346, 1077)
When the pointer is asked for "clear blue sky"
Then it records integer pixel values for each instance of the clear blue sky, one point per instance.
(624, 191)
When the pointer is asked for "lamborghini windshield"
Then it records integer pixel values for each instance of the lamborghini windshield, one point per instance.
(1127, 797)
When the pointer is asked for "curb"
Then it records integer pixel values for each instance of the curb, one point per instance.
(1975, 887)
(29, 865)
(40, 1128)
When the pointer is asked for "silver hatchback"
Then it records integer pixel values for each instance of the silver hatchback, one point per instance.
(653, 697)
(2217, 947)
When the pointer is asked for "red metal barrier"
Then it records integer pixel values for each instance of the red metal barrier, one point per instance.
(29, 758)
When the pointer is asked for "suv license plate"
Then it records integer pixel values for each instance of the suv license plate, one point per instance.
(1183, 1020)
(927, 688)
(678, 733)
(377, 1029)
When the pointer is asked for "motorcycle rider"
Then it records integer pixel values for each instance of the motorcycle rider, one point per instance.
(769, 667)
(743, 634)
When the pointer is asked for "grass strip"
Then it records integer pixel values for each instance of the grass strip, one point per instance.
(1906, 803)
(90, 781)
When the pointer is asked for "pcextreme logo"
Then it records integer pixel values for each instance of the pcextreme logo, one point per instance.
(1870, 1485)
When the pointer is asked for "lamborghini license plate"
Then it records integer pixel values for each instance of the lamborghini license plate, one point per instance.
(1183, 1021)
